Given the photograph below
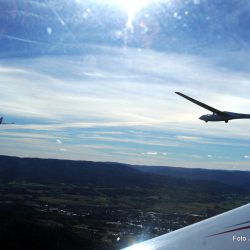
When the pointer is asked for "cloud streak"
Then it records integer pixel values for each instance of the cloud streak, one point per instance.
(89, 102)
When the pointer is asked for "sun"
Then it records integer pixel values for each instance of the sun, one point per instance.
(131, 7)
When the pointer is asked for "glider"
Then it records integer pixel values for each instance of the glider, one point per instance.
(4, 123)
(216, 115)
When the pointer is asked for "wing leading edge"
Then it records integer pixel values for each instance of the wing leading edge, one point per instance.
(203, 105)
(230, 230)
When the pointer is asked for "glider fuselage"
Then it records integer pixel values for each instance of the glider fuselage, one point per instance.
(225, 117)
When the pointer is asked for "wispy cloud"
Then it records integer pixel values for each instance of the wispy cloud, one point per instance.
(131, 108)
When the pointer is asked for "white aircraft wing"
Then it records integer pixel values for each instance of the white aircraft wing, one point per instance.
(227, 231)
(203, 105)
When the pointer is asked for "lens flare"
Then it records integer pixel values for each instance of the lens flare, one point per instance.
(131, 7)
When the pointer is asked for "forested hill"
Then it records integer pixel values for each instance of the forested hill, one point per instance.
(105, 174)
(84, 204)
(235, 178)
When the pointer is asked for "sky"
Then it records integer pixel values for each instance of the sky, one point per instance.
(96, 80)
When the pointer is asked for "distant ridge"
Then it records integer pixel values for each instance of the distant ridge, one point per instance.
(54, 170)
(120, 175)
(229, 177)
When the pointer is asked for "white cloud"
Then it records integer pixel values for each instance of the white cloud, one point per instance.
(64, 94)
(58, 141)
(189, 138)
(152, 153)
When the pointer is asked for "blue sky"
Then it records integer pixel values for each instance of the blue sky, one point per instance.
(83, 81)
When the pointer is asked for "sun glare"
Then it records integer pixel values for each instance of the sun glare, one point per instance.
(132, 6)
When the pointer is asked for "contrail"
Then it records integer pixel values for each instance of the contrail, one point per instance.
(22, 39)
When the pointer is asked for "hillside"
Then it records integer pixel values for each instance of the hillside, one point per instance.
(234, 177)
(47, 204)
(105, 174)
